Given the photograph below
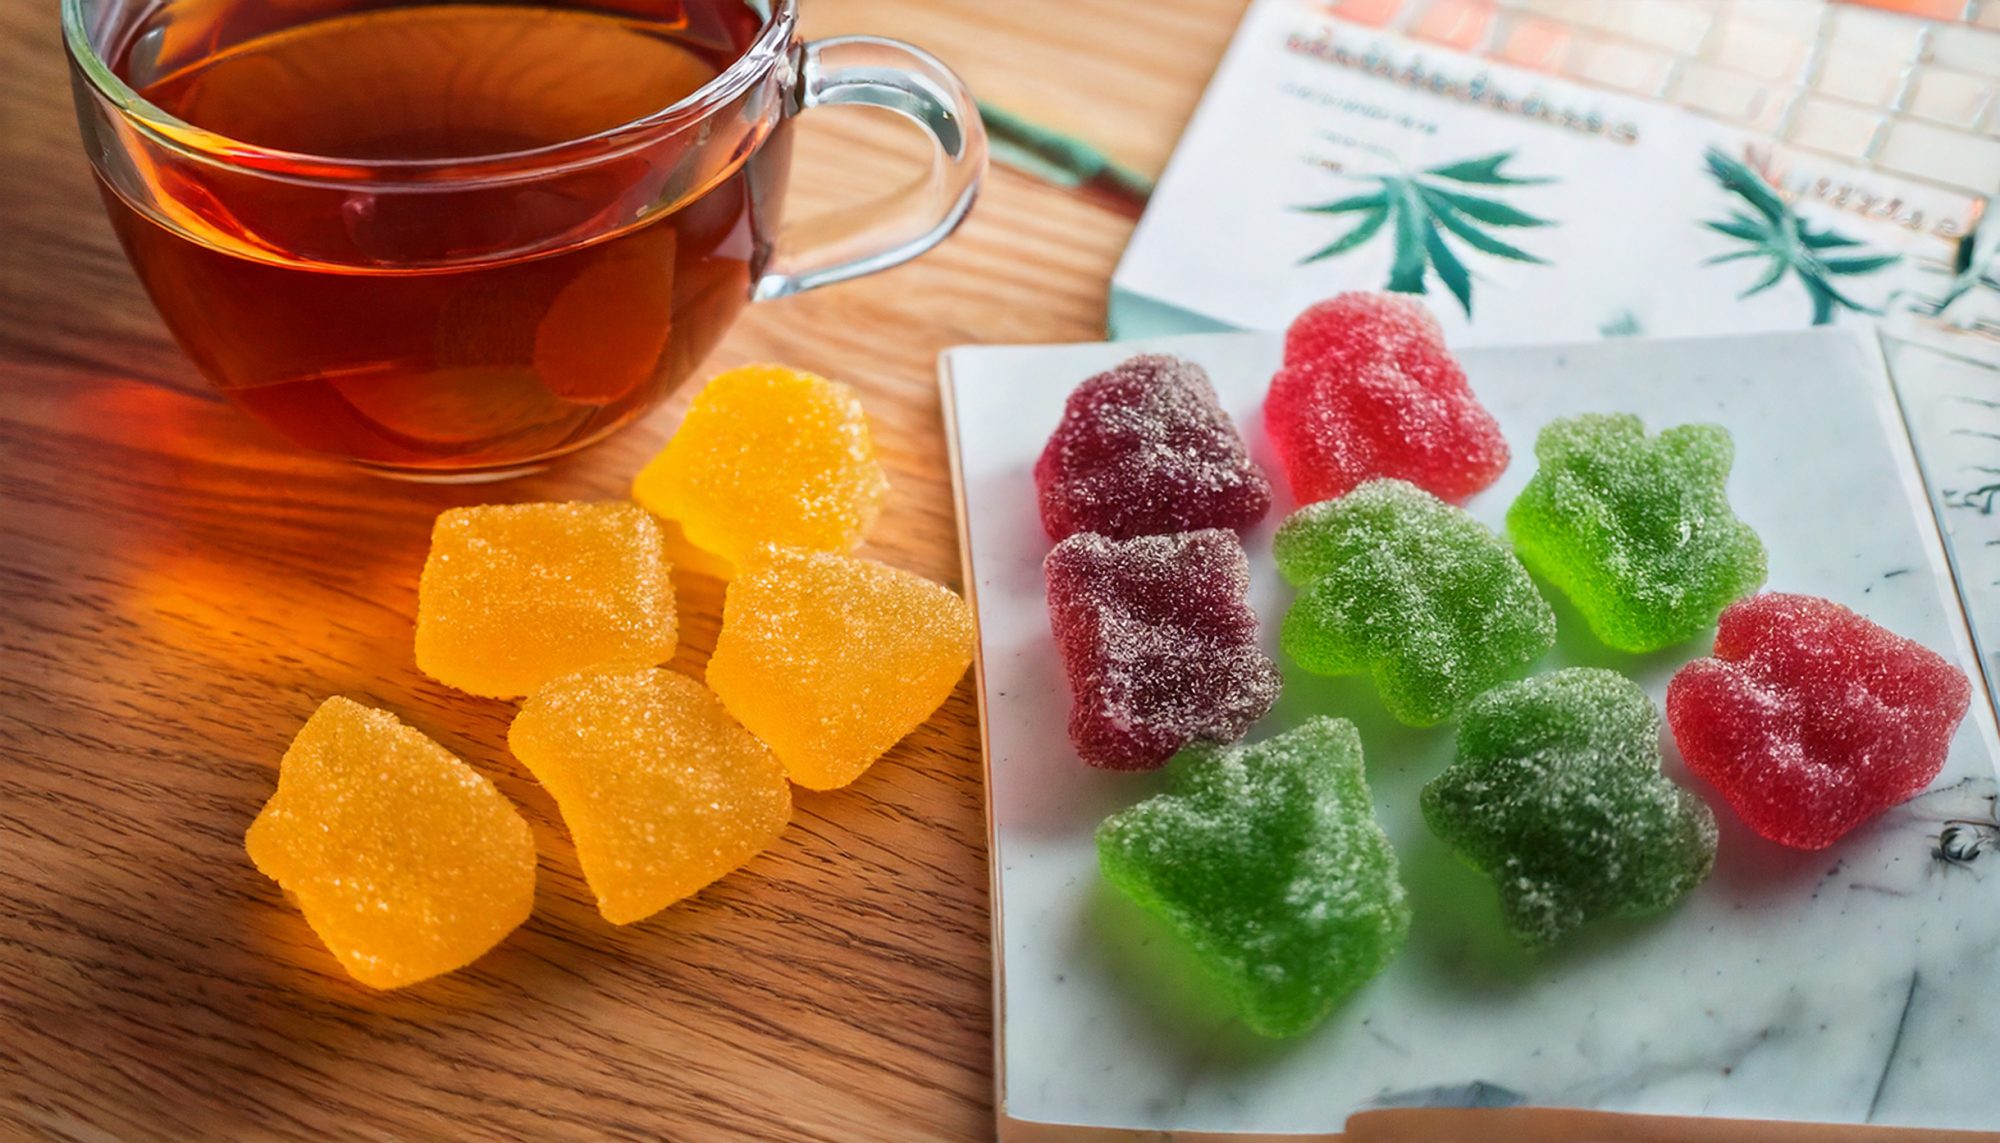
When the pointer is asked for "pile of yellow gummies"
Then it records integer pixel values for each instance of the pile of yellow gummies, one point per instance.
(408, 863)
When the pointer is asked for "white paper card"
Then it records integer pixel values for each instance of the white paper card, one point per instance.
(1595, 219)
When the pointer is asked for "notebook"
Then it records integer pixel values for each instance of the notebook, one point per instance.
(1547, 174)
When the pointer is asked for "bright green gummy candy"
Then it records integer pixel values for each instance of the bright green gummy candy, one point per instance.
(1557, 795)
(1268, 861)
(1637, 532)
(1399, 584)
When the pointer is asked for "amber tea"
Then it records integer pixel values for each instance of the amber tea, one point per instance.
(511, 319)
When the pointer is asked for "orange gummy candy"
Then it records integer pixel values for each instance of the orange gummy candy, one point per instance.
(662, 791)
(514, 595)
(404, 860)
(831, 659)
(768, 455)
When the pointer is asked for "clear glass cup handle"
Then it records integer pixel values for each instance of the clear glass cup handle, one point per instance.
(848, 242)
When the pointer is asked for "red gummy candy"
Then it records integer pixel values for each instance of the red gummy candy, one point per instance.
(1143, 449)
(1159, 644)
(1368, 390)
(1810, 719)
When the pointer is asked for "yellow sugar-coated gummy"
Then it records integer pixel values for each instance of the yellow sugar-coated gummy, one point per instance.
(831, 660)
(514, 595)
(662, 791)
(404, 860)
(768, 455)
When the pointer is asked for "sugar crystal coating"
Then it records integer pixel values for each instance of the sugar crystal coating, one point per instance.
(1397, 584)
(1143, 449)
(1268, 861)
(1369, 390)
(768, 455)
(1557, 794)
(1636, 531)
(661, 790)
(405, 861)
(1811, 719)
(831, 660)
(1158, 642)
(514, 595)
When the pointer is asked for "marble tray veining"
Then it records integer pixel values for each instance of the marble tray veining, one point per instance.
(1952, 405)
(1856, 985)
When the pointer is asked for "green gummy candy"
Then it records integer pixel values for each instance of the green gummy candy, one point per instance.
(1637, 532)
(1396, 583)
(1557, 794)
(1268, 861)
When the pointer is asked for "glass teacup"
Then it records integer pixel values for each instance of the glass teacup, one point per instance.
(454, 241)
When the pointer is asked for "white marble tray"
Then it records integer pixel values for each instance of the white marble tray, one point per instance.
(1857, 985)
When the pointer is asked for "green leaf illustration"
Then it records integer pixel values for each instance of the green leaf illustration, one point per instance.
(1771, 278)
(1361, 233)
(1376, 201)
(1406, 273)
(1476, 238)
(1863, 265)
(1486, 210)
(1736, 176)
(1484, 171)
(1424, 213)
(1772, 230)
(1450, 269)
(1737, 226)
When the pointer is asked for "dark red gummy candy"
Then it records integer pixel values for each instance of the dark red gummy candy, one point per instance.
(1810, 719)
(1369, 390)
(1143, 449)
(1159, 643)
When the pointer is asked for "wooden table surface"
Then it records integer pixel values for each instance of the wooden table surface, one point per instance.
(178, 590)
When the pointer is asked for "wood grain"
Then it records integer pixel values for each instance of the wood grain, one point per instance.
(178, 590)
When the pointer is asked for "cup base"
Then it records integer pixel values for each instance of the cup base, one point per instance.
(433, 476)
(493, 474)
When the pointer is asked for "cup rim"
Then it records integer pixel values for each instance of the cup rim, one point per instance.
(202, 145)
